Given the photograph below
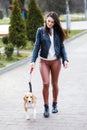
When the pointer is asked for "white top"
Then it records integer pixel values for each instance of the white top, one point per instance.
(51, 54)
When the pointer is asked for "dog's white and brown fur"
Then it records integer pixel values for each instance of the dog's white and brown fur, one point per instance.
(30, 103)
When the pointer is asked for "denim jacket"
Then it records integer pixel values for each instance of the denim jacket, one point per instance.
(42, 43)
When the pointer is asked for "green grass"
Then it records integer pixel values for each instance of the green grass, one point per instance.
(74, 33)
(4, 61)
(4, 21)
(1, 43)
(73, 17)
(29, 46)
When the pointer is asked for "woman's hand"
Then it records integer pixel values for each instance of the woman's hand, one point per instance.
(31, 68)
(65, 64)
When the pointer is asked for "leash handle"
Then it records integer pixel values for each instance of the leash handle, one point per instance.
(31, 69)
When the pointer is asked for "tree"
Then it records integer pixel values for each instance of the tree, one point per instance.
(42, 4)
(21, 3)
(17, 29)
(77, 6)
(58, 6)
(34, 20)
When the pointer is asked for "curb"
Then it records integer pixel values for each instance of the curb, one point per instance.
(14, 65)
(24, 61)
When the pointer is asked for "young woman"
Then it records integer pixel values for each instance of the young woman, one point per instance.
(49, 40)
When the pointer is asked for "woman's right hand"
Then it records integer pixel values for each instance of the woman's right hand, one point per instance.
(31, 68)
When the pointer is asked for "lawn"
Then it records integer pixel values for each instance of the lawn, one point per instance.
(4, 21)
(74, 33)
(4, 61)
(24, 52)
(73, 17)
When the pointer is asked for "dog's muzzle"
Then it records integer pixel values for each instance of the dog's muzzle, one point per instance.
(29, 104)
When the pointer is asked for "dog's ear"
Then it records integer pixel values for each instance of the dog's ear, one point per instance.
(34, 98)
(24, 98)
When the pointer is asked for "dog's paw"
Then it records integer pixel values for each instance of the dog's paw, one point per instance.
(27, 117)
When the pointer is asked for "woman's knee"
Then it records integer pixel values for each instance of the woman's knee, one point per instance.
(46, 85)
(55, 85)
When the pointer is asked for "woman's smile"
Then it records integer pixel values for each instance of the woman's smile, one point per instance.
(50, 22)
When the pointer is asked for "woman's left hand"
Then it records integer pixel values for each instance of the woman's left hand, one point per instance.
(65, 64)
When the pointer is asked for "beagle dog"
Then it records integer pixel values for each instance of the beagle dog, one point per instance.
(30, 104)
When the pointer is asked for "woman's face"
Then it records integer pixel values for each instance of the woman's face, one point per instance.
(50, 22)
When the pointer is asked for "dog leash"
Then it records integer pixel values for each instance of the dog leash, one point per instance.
(30, 85)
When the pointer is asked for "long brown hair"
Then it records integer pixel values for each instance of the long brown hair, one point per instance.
(57, 26)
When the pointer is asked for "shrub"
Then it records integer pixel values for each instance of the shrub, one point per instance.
(17, 29)
(34, 20)
(5, 40)
(9, 50)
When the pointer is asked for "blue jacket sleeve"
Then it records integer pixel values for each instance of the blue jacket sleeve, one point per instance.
(36, 46)
(63, 52)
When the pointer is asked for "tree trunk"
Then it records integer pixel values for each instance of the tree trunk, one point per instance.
(17, 51)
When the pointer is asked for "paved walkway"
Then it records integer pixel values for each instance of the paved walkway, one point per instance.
(72, 97)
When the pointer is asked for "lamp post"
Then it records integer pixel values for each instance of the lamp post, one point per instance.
(85, 8)
(67, 16)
